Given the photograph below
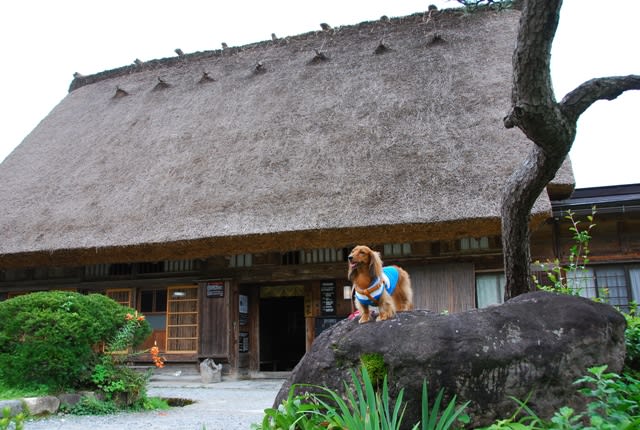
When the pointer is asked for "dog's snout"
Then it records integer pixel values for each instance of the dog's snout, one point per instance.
(350, 257)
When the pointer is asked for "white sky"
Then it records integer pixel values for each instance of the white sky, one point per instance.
(43, 42)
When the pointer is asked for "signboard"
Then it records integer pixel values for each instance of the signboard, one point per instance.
(215, 289)
(328, 298)
(243, 301)
(244, 342)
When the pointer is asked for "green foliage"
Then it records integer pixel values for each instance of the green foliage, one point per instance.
(368, 409)
(154, 404)
(50, 338)
(90, 405)
(361, 408)
(615, 400)
(632, 339)
(434, 419)
(297, 411)
(117, 381)
(375, 366)
(564, 278)
(7, 422)
(519, 420)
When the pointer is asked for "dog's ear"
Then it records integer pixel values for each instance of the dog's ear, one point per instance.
(375, 265)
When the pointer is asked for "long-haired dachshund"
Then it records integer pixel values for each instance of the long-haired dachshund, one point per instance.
(388, 288)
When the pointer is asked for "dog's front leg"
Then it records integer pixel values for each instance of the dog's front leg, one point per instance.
(365, 312)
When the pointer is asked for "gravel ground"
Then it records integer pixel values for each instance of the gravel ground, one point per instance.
(228, 405)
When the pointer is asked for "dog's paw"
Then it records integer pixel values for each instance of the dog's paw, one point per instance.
(385, 316)
(363, 319)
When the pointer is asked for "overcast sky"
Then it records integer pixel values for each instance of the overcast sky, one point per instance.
(43, 42)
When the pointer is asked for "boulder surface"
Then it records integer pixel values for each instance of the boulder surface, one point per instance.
(534, 346)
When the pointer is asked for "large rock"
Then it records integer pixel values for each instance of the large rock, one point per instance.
(536, 344)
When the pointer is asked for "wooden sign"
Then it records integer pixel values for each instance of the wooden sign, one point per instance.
(328, 298)
(244, 342)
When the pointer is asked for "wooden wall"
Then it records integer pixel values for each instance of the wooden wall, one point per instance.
(214, 323)
(444, 287)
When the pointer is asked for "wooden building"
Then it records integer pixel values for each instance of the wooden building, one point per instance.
(219, 192)
(613, 271)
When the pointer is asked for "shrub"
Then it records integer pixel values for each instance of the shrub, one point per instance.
(51, 338)
(118, 382)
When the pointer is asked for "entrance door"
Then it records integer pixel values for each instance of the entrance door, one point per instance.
(282, 332)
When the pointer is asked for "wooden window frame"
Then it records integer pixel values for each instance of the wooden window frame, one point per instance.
(173, 299)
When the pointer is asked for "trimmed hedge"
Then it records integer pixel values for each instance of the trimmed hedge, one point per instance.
(52, 338)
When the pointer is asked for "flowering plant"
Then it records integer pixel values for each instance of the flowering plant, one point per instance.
(112, 376)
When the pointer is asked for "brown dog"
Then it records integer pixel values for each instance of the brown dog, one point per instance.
(388, 288)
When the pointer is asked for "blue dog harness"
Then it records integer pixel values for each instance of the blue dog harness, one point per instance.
(389, 280)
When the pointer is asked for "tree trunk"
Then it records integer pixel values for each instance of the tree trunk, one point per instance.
(550, 125)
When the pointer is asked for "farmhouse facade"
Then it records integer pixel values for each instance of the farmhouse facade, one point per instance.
(220, 192)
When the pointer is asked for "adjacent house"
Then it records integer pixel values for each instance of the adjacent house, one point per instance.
(220, 192)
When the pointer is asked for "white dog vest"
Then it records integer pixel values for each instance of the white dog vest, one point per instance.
(388, 281)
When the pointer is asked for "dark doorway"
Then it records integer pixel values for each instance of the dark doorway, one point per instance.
(282, 333)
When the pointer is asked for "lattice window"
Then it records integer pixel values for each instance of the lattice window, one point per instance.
(179, 265)
(122, 296)
(182, 319)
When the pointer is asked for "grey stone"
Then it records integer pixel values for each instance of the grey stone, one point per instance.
(15, 407)
(42, 405)
(210, 372)
(535, 345)
(72, 399)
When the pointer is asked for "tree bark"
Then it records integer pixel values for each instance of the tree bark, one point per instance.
(549, 124)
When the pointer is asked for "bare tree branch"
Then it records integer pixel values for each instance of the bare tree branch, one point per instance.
(579, 100)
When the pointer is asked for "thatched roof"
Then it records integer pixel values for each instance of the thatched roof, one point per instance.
(278, 150)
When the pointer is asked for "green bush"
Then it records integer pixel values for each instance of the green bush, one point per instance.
(52, 338)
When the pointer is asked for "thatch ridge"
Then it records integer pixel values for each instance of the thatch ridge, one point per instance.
(154, 64)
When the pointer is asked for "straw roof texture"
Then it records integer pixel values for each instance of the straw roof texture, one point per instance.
(279, 149)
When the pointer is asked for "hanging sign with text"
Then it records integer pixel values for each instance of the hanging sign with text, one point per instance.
(328, 298)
